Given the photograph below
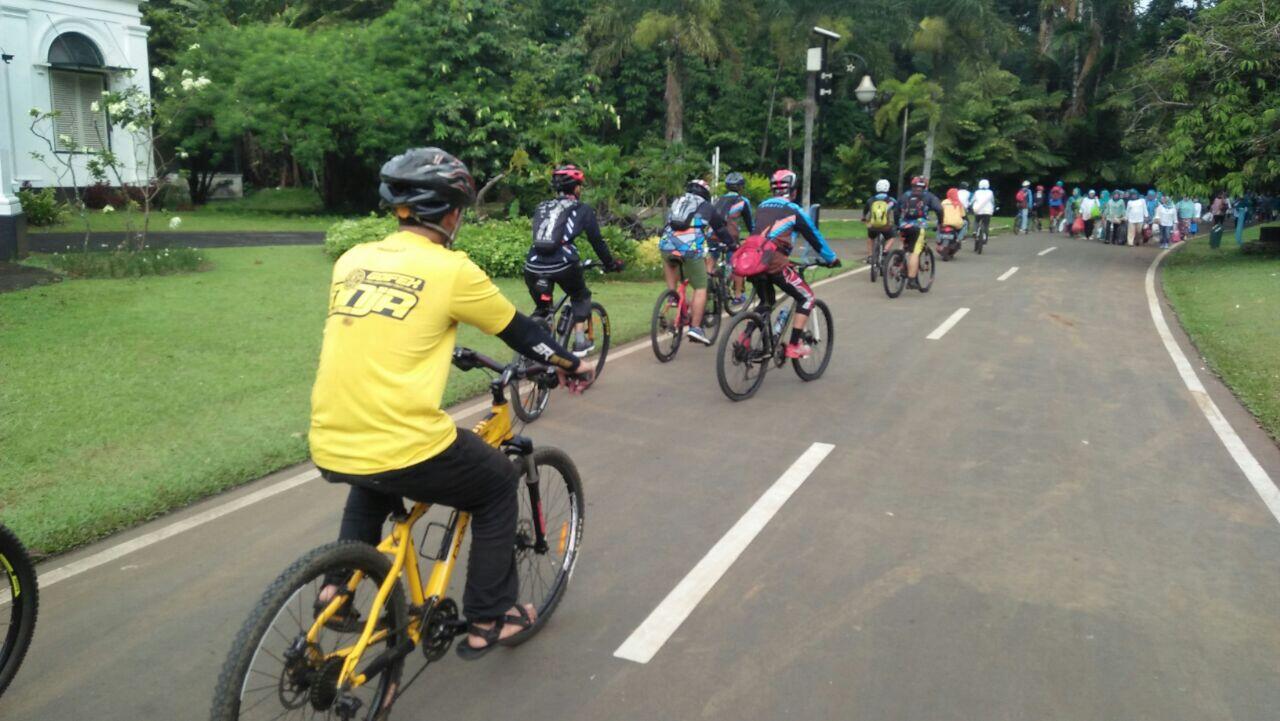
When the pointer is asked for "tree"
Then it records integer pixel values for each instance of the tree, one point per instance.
(1206, 114)
(677, 29)
(916, 92)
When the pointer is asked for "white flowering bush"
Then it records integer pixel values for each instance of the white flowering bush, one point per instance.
(139, 168)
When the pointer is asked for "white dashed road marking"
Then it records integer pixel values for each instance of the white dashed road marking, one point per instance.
(1048, 250)
(947, 324)
(645, 641)
(1008, 273)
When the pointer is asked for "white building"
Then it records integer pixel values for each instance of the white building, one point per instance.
(61, 55)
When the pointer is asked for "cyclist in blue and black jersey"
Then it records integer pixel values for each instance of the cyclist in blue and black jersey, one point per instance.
(694, 228)
(736, 210)
(780, 219)
(912, 215)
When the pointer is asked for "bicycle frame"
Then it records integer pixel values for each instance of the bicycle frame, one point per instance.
(495, 429)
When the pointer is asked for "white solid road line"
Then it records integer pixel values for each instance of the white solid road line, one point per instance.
(645, 641)
(111, 553)
(1048, 250)
(1240, 453)
(147, 539)
(1008, 273)
(947, 324)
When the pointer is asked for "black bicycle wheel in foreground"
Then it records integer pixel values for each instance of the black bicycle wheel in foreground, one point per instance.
(819, 333)
(20, 594)
(743, 356)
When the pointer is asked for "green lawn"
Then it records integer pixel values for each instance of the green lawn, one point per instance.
(270, 210)
(1229, 303)
(122, 399)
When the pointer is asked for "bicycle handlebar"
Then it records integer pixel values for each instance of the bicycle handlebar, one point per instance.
(466, 359)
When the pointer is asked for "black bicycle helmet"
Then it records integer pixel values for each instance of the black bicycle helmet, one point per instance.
(425, 184)
(964, 185)
(698, 187)
(735, 182)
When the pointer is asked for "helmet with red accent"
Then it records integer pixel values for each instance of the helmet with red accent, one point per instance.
(919, 182)
(783, 182)
(567, 177)
(698, 187)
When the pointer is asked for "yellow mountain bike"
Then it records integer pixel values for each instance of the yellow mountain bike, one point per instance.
(296, 658)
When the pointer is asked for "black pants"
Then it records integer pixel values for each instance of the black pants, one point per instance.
(1088, 228)
(470, 475)
(542, 288)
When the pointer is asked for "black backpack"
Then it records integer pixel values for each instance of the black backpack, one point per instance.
(550, 219)
(914, 207)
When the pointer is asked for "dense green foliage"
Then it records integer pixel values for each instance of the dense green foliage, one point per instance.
(128, 264)
(499, 247)
(1130, 92)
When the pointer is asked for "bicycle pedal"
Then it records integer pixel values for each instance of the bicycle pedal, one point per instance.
(347, 706)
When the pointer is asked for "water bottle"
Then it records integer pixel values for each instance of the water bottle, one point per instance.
(781, 322)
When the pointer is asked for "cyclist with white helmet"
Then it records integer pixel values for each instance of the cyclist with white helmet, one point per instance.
(983, 205)
(877, 215)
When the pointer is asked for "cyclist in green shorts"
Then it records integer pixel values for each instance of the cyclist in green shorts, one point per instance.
(691, 219)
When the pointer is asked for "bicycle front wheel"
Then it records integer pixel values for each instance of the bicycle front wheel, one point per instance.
(665, 330)
(820, 334)
(274, 672)
(743, 356)
(597, 332)
(748, 296)
(927, 270)
(553, 498)
(895, 273)
(22, 597)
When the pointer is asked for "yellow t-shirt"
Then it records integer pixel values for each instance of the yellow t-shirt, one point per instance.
(394, 308)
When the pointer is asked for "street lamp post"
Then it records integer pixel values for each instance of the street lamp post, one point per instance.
(814, 62)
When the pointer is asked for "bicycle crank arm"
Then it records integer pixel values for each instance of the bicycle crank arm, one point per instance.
(386, 658)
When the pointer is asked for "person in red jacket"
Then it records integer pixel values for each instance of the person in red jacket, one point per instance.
(1057, 194)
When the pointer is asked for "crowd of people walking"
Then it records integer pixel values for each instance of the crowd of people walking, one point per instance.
(1130, 217)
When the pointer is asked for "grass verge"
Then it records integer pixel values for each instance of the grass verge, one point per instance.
(123, 399)
(1228, 302)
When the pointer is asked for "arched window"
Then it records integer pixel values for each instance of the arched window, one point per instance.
(73, 92)
(74, 49)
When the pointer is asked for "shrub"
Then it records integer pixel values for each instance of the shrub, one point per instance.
(128, 264)
(648, 257)
(42, 207)
(347, 234)
(499, 247)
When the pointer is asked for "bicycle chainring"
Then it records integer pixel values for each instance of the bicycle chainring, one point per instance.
(301, 665)
(441, 627)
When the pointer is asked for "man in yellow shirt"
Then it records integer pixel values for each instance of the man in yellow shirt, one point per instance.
(376, 420)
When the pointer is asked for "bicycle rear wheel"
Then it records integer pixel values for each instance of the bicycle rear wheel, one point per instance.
(529, 398)
(555, 497)
(273, 672)
(665, 330)
(927, 270)
(17, 589)
(820, 334)
(743, 356)
(895, 273)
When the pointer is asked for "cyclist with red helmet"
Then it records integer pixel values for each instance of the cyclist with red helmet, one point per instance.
(377, 421)
(779, 219)
(912, 214)
(553, 258)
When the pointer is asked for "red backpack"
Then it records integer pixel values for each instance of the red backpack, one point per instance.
(753, 256)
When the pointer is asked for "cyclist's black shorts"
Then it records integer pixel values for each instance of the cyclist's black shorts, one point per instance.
(791, 283)
(542, 287)
(873, 233)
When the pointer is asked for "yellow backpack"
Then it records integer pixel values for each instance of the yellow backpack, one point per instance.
(952, 214)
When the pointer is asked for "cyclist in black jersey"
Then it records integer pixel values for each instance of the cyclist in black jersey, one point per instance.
(553, 258)
(912, 215)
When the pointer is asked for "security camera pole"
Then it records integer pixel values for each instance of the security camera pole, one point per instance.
(814, 63)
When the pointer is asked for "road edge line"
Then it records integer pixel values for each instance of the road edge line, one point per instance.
(1240, 453)
(667, 617)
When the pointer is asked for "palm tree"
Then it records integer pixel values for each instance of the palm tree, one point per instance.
(916, 92)
(678, 29)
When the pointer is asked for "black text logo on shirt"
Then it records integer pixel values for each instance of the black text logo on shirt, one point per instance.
(378, 292)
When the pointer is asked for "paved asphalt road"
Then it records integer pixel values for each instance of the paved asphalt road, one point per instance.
(1028, 518)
